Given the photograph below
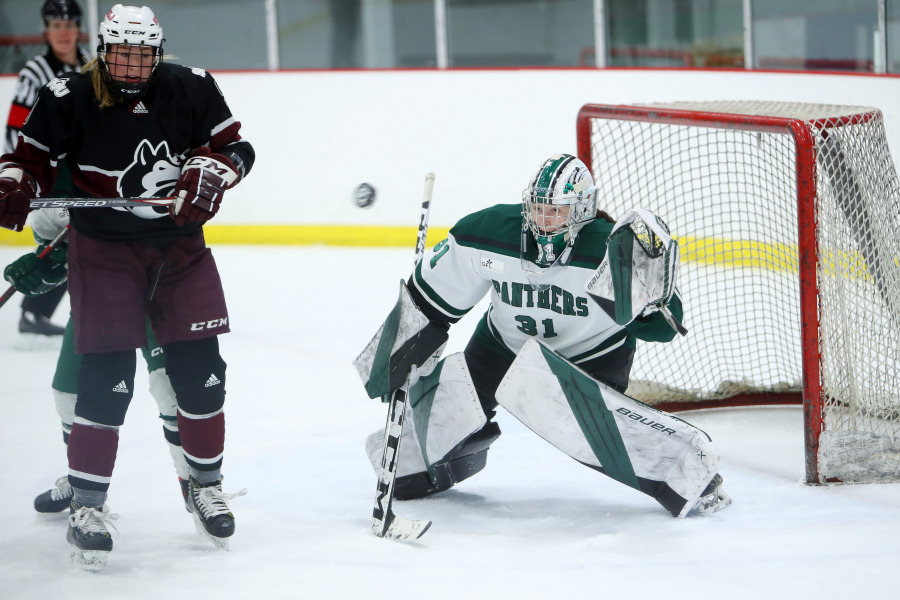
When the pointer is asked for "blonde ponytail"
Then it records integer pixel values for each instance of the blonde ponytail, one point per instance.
(104, 95)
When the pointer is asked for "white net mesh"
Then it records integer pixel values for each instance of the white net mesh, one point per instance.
(730, 197)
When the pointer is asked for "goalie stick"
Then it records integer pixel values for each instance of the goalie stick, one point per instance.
(50, 248)
(100, 202)
(384, 522)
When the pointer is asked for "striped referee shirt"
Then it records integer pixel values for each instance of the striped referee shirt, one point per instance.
(36, 73)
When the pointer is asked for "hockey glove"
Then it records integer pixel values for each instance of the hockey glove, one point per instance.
(637, 276)
(17, 188)
(199, 190)
(34, 276)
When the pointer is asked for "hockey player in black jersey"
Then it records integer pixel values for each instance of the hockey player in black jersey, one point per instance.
(62, 21)
(132, 125)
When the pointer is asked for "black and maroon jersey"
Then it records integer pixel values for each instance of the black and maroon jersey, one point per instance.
(131, 149)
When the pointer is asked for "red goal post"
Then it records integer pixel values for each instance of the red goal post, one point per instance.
(786, 216)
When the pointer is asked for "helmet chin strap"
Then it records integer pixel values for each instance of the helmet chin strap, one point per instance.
(534, 272)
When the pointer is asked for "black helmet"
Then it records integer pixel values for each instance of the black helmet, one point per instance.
(61, 10)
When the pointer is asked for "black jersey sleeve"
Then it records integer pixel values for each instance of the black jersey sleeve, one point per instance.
(46, 133)
(220, 131)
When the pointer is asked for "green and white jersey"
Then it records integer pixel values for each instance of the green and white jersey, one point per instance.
(481, 255)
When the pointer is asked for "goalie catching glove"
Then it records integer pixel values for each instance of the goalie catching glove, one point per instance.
(638, 274)
(199, 190)
(17, 188)
(34, 276)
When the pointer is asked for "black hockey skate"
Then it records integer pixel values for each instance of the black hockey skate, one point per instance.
(209, 506)
(36, 332)
(39, 324)
(55, 499)
(713, 498)
(87, 534)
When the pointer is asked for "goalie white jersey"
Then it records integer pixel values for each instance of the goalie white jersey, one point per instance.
(545, 349)
(481, 255)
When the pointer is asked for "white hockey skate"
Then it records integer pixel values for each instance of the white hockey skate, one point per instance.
(209, 507)
(90, 539)
(713, 498)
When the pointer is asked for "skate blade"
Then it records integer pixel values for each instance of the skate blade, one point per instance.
(220, 543)
(89, 560)
(718, 502)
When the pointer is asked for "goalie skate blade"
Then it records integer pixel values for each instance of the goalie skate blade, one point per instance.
(89, 560)
(402, 530)
(721, 502)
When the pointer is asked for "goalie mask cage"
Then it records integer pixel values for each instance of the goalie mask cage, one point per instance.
(786, 216)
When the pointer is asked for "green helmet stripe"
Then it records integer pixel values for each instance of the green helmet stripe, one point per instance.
(552, 170)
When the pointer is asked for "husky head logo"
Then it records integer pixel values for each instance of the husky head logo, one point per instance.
(153, 172)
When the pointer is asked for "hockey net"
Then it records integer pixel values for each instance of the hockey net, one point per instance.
(788, 220)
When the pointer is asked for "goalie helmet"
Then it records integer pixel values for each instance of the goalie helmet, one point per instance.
(560, 199)
(60, 10)
(136, 28)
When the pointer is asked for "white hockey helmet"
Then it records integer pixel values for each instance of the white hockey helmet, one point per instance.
(561, 180)
(130, 26)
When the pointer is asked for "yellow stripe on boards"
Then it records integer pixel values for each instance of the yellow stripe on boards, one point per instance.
(328, 235)
(288, 235)
(738, 253)
(708, 251)
(11, 238)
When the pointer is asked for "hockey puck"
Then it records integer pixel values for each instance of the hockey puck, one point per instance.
(364, 195)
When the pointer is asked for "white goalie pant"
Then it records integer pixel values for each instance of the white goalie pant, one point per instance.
(443, 412)
(635, 444)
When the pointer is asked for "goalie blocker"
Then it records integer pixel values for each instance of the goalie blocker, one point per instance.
(646, 449)
(405, 339)
(431, 459)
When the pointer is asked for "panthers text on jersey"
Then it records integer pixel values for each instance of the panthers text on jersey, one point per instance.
(481, 255)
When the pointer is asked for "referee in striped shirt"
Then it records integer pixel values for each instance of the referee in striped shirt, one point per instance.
(62, 21)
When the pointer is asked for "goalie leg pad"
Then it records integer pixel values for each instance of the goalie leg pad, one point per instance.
(406, 338)
(635, 444)
(446, 434)
(462, 462)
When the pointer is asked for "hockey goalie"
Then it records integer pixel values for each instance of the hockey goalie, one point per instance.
(571, 293)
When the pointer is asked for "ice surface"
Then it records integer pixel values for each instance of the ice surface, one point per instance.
(534, 524)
